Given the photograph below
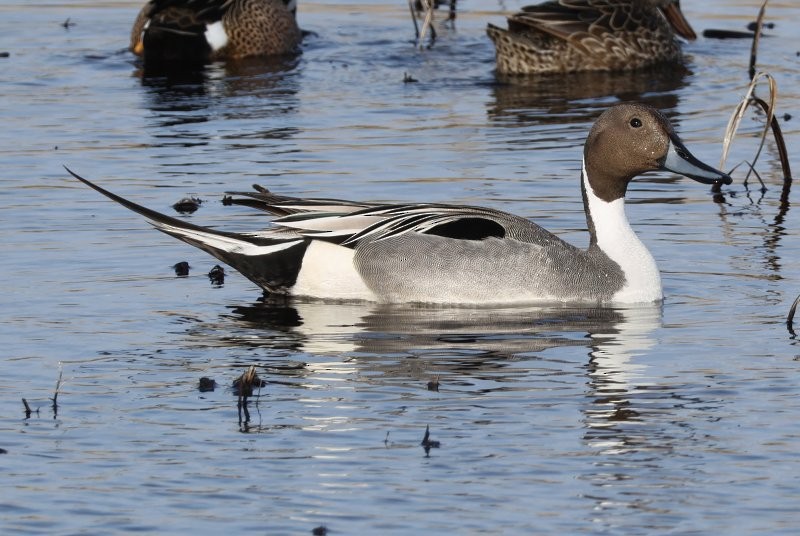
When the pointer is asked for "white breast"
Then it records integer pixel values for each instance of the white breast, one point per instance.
(617, 239)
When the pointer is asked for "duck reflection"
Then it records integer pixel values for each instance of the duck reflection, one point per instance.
(451, 337)
(580, 97)
(635, 420)
(250, 88)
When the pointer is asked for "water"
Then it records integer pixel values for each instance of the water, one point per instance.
(679, 418)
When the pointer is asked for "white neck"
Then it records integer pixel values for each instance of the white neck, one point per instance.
(617, 240)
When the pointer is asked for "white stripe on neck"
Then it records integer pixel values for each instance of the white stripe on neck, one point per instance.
(617, 240)
(216, 36)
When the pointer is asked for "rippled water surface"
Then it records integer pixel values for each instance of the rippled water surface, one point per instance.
(678, 418)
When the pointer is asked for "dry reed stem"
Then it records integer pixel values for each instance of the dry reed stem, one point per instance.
(757, 38)
(768, 108)
(736, 117)
(790, 316)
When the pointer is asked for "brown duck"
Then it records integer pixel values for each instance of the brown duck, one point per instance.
(563, 36)
(198, 31)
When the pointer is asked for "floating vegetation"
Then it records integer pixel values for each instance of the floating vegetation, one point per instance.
(188, 205)
(727, 34)
(217, 275)
(243, 387)
(206, 384)
(433, 385)
(181, 269)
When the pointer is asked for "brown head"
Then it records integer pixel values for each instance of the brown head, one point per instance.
(630, 139)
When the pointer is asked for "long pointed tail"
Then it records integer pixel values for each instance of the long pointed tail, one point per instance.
(272, 261)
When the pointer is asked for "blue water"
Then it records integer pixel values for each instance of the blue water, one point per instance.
(679, 418)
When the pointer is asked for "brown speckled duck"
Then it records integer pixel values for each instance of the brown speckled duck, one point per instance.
(198, 31)
(562, 36)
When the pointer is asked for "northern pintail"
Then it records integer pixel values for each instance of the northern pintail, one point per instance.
(437, 253)
(197, 31)
(564, 36)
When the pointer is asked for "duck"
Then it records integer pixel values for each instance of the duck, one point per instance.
(191, 32)
(565, 36)
(434, 253)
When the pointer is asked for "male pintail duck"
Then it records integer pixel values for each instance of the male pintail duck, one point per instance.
(437, 253)
(564, 36)
(198, 31)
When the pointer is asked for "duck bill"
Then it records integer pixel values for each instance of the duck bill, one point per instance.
(679, 160)
(674, 15)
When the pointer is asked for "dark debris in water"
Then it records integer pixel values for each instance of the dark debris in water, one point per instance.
(28, 410)
(433, 385)
(736, 34)
(243, 387)
(428, 443)
(217, 275)
(727, 34)
(319, 531)
(408, 79)
(790, 316)
(754, 25)
(207, 384)
(68, 23)
(4, 54)
(244, 384)
(181, 269)
(188, 205)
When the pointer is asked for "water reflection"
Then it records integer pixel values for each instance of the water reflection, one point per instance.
(246, 89)
(500, 333)
(581, 97)
(635, 418)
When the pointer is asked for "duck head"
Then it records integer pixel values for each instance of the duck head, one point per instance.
(628, 140)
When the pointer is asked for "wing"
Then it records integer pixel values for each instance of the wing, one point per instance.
(427, 268)
(282, 205)
(351, 223)
(203, 10)
(586, 24)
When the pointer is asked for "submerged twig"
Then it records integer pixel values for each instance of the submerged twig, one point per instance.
(777, 133)
(28, 410)
(58, 388)
(428, 443)
(243, 385)
(790, 316)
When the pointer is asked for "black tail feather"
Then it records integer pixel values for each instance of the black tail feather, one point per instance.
(275, 270)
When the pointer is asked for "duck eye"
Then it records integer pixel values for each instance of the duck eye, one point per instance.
(636, 122)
